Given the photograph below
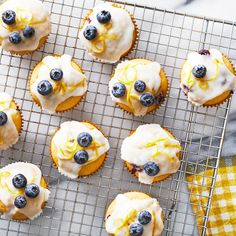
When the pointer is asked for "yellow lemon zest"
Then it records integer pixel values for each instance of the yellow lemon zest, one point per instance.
(99, 43)
(154, 223)
(216, 62)
(69, 149)
(125, 222)
(5, 185)
(168, 145)
(203, 85)
(153, 143)
(23, 18)
(71, 146)
(72, 88)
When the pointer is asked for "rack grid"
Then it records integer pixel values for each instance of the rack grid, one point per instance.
(77, 207)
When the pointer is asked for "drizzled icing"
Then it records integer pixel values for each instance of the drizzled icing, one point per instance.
(72, 84)
(128, 72)
(151, 143)
(8, 192)
(8, 132)
(218, 79)
(126, 212)
(114, 38)
(28, 13)
(65, 141)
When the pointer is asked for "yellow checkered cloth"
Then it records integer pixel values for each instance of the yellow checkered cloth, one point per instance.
(222, 217)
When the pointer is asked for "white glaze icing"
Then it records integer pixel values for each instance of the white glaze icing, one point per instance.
(33, 175)
(140, 148)
(8, 132)
(124, 206)
(74, 80)
(69, 131)
(118, 39)
(224, 79)
(133, 71)
(28, 12)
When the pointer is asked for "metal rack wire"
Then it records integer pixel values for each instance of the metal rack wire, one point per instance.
(76, 207)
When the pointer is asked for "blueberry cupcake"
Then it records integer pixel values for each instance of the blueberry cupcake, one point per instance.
(108, 33)
(138, 86)
(25, 26)
(78, 149)
(151, 153)
(23, 191)
(207, 78)
(10, 121)
(57, 83)
(134, 214)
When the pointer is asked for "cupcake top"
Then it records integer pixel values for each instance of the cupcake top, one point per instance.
(57, 80)
(137, 85)
(8, 131)
(23, 24)
(108, 32)
(78, 144)
(205, 76)
(21, 191)
(152, 151)
(144, 215)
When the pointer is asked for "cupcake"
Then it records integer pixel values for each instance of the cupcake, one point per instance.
(23, 191)
(151, 153)
(207, 78)
(134, 214)
(57, 83)
(138, 86)
(10, 121)
(25, 26)
(108, 32)
(78, 149)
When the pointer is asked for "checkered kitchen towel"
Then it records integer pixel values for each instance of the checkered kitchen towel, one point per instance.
(222, 217)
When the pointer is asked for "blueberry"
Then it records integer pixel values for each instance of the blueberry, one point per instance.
(118, 90)
(84, 139)
(28, 32)
(19, 181)
(144, 217)
(136, 229)
(56, 74)
(32, 190)
(139, 86)
(3, 118)
(90, 32)
(204, 52)
(151, 168)
(199, 71)
(81, 157)
(20, 202)
(15, 37)
(9, 17)
(147, 99)
(103, 17)
(44, 87)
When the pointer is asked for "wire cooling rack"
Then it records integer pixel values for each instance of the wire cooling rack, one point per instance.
(77, 207)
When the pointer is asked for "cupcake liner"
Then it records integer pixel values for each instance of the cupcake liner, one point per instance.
(157, 105)
(224, 100)
(82, 98)
(83, 176)
(135, 38)
(42, 206)
(27, 53)
(161, 177)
